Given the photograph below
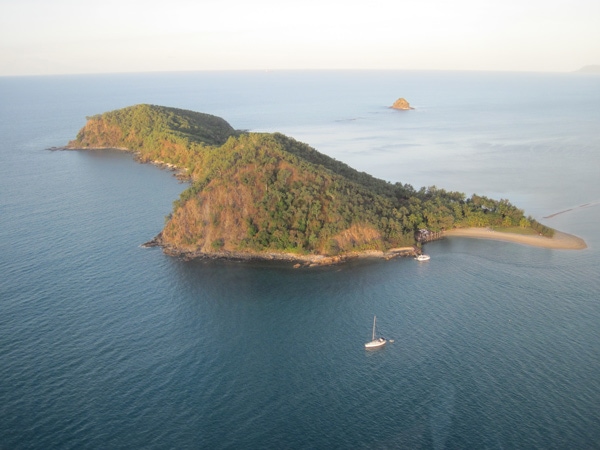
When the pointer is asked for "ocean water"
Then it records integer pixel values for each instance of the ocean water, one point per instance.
(105, 344)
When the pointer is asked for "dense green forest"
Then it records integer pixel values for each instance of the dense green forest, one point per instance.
(268, 192)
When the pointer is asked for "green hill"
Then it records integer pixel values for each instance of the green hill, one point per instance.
(260, 193)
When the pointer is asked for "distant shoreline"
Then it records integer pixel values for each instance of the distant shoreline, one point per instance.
(560, 240)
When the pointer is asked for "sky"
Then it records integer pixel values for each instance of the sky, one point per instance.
(43, 37)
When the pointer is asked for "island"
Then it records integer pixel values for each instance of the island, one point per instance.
(402, 105)
(267, 196)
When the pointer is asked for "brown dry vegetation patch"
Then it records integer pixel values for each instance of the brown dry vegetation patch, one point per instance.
(98, 132)
(362, 236)
(215, 219)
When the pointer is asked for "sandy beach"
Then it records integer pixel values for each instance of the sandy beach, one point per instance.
(560, 241)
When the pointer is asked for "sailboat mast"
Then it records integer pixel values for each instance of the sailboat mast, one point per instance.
(374, 319)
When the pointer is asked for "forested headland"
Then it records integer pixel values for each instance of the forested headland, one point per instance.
(265, 192)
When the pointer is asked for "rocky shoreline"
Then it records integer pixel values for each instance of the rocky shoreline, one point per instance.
(181, 173)
(295, 259)
(562, 241)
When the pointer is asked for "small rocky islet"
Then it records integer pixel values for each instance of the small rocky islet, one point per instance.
(401, 104)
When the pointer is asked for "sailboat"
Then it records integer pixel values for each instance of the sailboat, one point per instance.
(375, 343)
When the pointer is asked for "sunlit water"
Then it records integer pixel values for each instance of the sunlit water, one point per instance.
(104, 344)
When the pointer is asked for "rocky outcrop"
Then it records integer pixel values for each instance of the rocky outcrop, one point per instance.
(402, 104)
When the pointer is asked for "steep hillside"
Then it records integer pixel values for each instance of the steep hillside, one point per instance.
(155, 133)
(258, 194)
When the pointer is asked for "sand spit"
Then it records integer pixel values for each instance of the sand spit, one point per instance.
(560, 241)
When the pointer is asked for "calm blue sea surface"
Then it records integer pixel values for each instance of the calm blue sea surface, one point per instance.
(104, 344)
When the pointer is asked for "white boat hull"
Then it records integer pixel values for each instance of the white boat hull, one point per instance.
(377, 343)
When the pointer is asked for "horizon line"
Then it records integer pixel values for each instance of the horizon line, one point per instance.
(148, 72)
